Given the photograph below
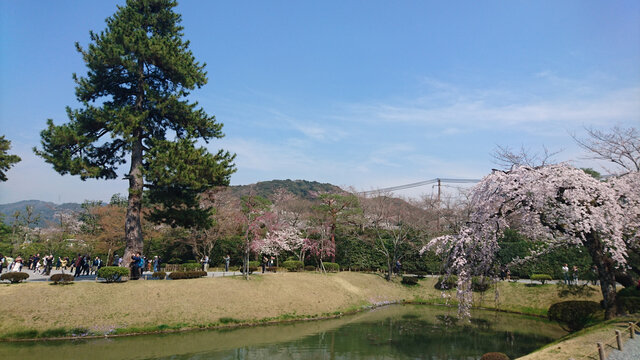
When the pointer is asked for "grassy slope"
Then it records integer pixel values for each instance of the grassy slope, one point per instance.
(39, 309)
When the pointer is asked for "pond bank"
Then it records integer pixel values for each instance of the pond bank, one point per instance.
(40, 310)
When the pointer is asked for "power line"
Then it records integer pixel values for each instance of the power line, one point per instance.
(421, 183)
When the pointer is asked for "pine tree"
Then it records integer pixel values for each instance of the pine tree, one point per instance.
(6, 160)
(134, 109)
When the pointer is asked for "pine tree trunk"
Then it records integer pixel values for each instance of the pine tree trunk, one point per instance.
(133, 225)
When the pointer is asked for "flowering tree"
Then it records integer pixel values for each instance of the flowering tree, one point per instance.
(319, 245)
(281, 237)
(557, 205)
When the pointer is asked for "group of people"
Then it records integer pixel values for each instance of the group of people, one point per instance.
(204, 262)
(571, 277)
(81, 265)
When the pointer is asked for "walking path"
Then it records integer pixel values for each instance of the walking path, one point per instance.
(630, 351)
(33, 276)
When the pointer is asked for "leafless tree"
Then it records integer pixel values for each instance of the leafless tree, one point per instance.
(506, 157)
(620, 146)
(395, 222)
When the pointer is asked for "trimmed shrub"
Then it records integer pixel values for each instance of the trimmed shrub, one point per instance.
(14, 277)
(113, 273)
(309, 268)
(62, 278)
(540, 277)
(159, 275)
(410, 280)
(446, 282)
(480, 283)
(177, 275)
(494, 356)
(575, 314)
(331, 267)
(254, 264)
(628, 300)
(191, 267)
(293, 265)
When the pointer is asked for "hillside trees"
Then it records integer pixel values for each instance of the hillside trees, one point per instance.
(558, 205)
(134, 110)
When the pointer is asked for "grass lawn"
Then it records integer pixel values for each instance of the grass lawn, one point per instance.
(40, 310)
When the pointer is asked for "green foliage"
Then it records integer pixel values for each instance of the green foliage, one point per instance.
(6, 160)
(409, 280)
(628, 300)
(575, 314)
(309, 268)
(254, 264)
(593, 173)
(540, 277)
(494, 356)
(113, 273)
(446, 282)
(159, 275)
(513, 245)
(14, 277)
(191, 267)
(480, 283)
(133, 100)
(300, 188)
(176, 275)
(62, 278)
(293, 265)
(331, 267)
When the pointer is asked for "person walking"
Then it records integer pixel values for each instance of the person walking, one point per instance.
(575, 274)
(78, 265)
(264, 263)
(227, 260)
(1, 262)
(565, 273)
(135, 261)
(156, 263)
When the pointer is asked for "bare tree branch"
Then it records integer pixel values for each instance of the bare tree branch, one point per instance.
(620, 146)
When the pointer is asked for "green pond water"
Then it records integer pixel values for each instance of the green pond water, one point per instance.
(391, 332)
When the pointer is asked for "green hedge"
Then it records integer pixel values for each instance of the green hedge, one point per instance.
(62, 278)
(113, 273)
(575, 314)
(446, 282)
(176, 275)
(331, 267)
(191, 267)
(309, 268)
(14, 277)
(480, 283)
(293, 265)
(540, 277)
(410, 280)
(628, 300)
(159, 275)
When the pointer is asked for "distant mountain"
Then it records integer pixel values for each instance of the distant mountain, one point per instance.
(301, 188)
(46, 210)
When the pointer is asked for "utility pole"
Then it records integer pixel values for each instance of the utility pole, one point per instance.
(438, 208)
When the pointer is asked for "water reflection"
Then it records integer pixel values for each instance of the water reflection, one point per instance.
(393, 332)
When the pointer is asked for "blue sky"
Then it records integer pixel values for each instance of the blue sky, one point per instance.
(366, 94)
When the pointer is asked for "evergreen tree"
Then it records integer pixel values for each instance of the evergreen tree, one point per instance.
(134, 109)
(6, 160)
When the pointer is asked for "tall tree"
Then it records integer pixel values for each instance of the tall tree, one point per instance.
(6, 160)
(134, 109)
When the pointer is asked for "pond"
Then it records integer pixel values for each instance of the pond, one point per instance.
(391, 332)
